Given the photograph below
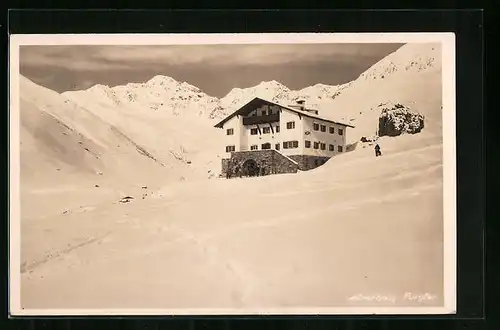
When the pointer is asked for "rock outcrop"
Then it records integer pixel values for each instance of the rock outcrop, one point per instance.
(396, 119)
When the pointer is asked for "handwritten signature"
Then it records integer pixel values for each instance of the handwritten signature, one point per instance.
(408, 296)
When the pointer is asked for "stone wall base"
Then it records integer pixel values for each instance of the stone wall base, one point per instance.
(257, 163)
(307, 162)
(224, 167)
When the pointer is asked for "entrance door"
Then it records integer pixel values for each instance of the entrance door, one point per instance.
(250, 168)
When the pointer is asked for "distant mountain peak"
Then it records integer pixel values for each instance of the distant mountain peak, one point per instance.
(98, 87)
(272, 83)
(161, 80)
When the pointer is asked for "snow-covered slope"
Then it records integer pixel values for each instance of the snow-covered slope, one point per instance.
(66, 149)
(170, 118)
(160, 93)
(44, 114)
(271, 90)
(410, 76)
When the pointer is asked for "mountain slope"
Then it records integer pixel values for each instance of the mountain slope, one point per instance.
(160, 93)
(411, 76)
(170, 118)
(271, 90)
(66, 148)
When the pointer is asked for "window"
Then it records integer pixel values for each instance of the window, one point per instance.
(277, 129)
(290, 125)
(230, 131)
(266, 130)
(253, 131)
(316, 145)
(341, 131)
(332, 130)
(264, 112)
(307, 144)
(266, 146)
(339, 148)
(290, 144)
(230, 148)
(331, 147)
(316, 127)
(323, 146)
(254, 147)
(323, 128)
(277, 146)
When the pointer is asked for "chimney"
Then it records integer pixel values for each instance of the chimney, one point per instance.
(301, 105)
(316, 112)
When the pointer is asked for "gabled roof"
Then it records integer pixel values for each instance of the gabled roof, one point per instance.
(258, 101)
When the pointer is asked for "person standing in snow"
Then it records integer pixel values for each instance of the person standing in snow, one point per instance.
(377, 150)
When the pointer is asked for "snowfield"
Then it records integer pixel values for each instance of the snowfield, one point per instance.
(277, 241)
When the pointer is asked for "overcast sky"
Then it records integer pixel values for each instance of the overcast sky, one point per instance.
(216, 69)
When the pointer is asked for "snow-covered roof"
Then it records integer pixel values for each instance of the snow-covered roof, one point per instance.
(259, 100)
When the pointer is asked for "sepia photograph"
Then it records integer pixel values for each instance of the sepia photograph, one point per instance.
(191, 174)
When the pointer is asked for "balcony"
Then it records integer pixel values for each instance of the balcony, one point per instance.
(255, 120)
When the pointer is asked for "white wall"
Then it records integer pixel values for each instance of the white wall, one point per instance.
(272, 137)
(323, 137)
(243, 144)
(235, 124)
(242, 138)
(261, 138)
(295, 134)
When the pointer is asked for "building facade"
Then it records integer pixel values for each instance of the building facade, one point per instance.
(264, 137)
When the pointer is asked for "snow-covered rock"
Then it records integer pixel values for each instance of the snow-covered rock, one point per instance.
(396, 119)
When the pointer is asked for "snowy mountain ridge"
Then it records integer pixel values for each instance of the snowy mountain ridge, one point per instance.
(165, 94)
